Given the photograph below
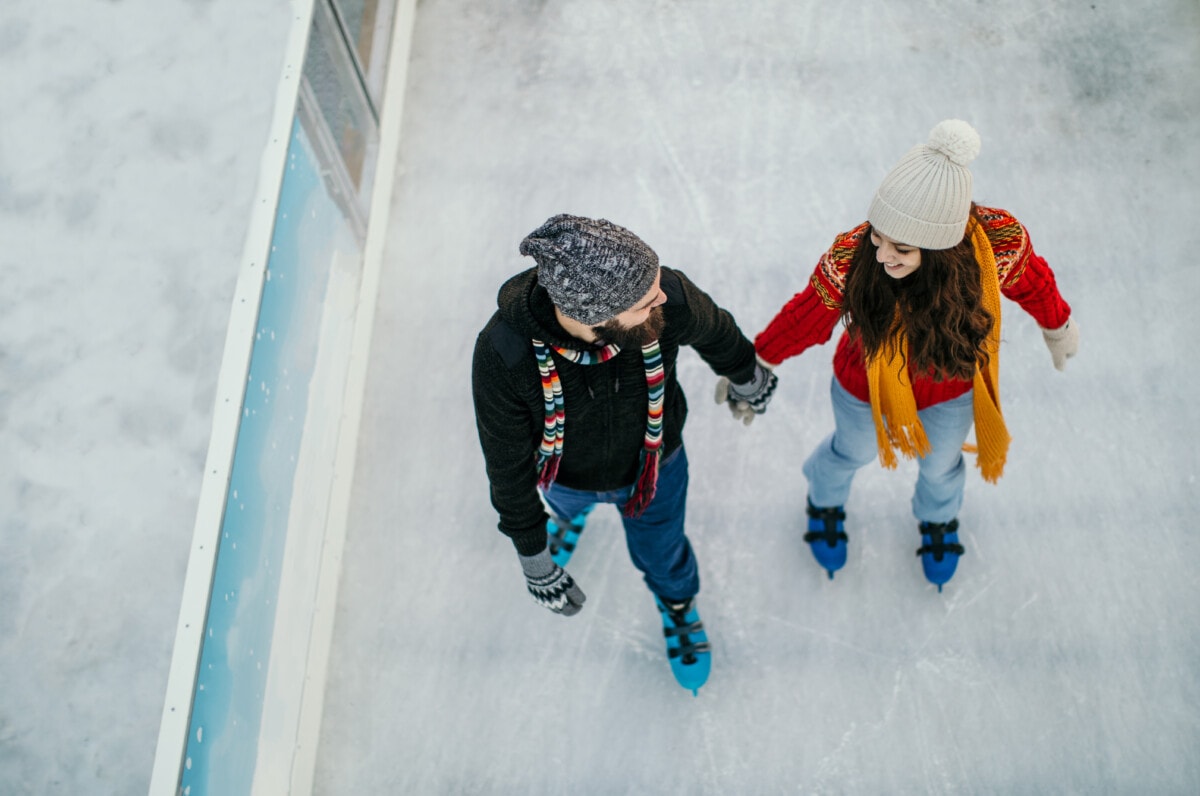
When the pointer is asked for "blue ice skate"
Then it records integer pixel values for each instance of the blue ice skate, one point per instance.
(687, 644)
(564, 535)
(827, 536)
(939, 551)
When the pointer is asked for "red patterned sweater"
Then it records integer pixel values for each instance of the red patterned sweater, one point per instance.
(809, 318)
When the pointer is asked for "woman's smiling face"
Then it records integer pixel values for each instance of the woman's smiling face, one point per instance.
(898, 259)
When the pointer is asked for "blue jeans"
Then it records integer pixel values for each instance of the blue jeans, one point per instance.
(656, 541)
(942, 472)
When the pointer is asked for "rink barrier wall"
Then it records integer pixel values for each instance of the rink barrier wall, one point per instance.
(325, 602)
(245, 688)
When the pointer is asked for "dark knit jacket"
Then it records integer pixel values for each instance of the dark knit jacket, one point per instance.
(605, 404)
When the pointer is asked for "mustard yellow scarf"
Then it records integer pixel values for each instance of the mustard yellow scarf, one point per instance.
(897, 425)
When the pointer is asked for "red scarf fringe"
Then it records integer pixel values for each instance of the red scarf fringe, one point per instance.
(549, 471)
(643, 490)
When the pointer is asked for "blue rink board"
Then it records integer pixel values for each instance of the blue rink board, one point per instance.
(229, 692)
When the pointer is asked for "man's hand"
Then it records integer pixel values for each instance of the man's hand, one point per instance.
(550, 584)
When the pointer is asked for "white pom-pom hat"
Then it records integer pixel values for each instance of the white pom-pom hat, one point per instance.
(925, 200)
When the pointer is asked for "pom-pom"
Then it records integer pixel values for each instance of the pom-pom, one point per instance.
(955, 139)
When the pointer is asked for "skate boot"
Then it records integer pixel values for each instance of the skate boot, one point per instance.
(687, 644)
(827, 537)
(564, 534)
(939, 551)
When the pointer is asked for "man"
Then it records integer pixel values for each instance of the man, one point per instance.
(576, 394)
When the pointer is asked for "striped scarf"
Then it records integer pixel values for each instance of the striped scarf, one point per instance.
(550, 451)
(894, 408)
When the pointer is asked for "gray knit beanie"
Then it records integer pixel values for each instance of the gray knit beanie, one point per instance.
(592, 269)
(925, 200)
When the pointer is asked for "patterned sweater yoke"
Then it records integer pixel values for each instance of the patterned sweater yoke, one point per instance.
(1010, 247)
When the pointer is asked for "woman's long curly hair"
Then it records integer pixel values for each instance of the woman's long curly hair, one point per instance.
(939, 306)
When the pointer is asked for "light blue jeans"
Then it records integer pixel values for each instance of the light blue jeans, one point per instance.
(942, 472)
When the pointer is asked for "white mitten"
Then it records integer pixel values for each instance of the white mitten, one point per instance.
(1063, 342)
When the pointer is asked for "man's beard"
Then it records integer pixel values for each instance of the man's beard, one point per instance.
(645, 332)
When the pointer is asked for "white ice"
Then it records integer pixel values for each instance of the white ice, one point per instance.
(737, 139)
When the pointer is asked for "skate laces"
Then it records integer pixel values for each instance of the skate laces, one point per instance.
(938, 546)
(830, 518)
(683, 631)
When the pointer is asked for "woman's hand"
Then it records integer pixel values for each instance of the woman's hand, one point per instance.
(1063, 342)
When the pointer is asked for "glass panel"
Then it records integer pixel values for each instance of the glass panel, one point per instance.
(368, 26)
(338, 94)
(297, 367)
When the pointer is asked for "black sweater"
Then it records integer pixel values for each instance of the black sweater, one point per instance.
(604, 403)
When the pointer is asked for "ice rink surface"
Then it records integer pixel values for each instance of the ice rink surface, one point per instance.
(130, 142)
(737, 140)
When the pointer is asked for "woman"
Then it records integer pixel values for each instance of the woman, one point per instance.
(918, 289)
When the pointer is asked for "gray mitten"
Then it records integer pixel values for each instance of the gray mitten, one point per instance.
(1063, 342)
(749, 399)
(550, 584)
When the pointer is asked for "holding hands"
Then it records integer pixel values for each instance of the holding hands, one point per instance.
(749, 399)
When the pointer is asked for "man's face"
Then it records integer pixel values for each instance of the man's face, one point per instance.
(638, 325)
(611, 331)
